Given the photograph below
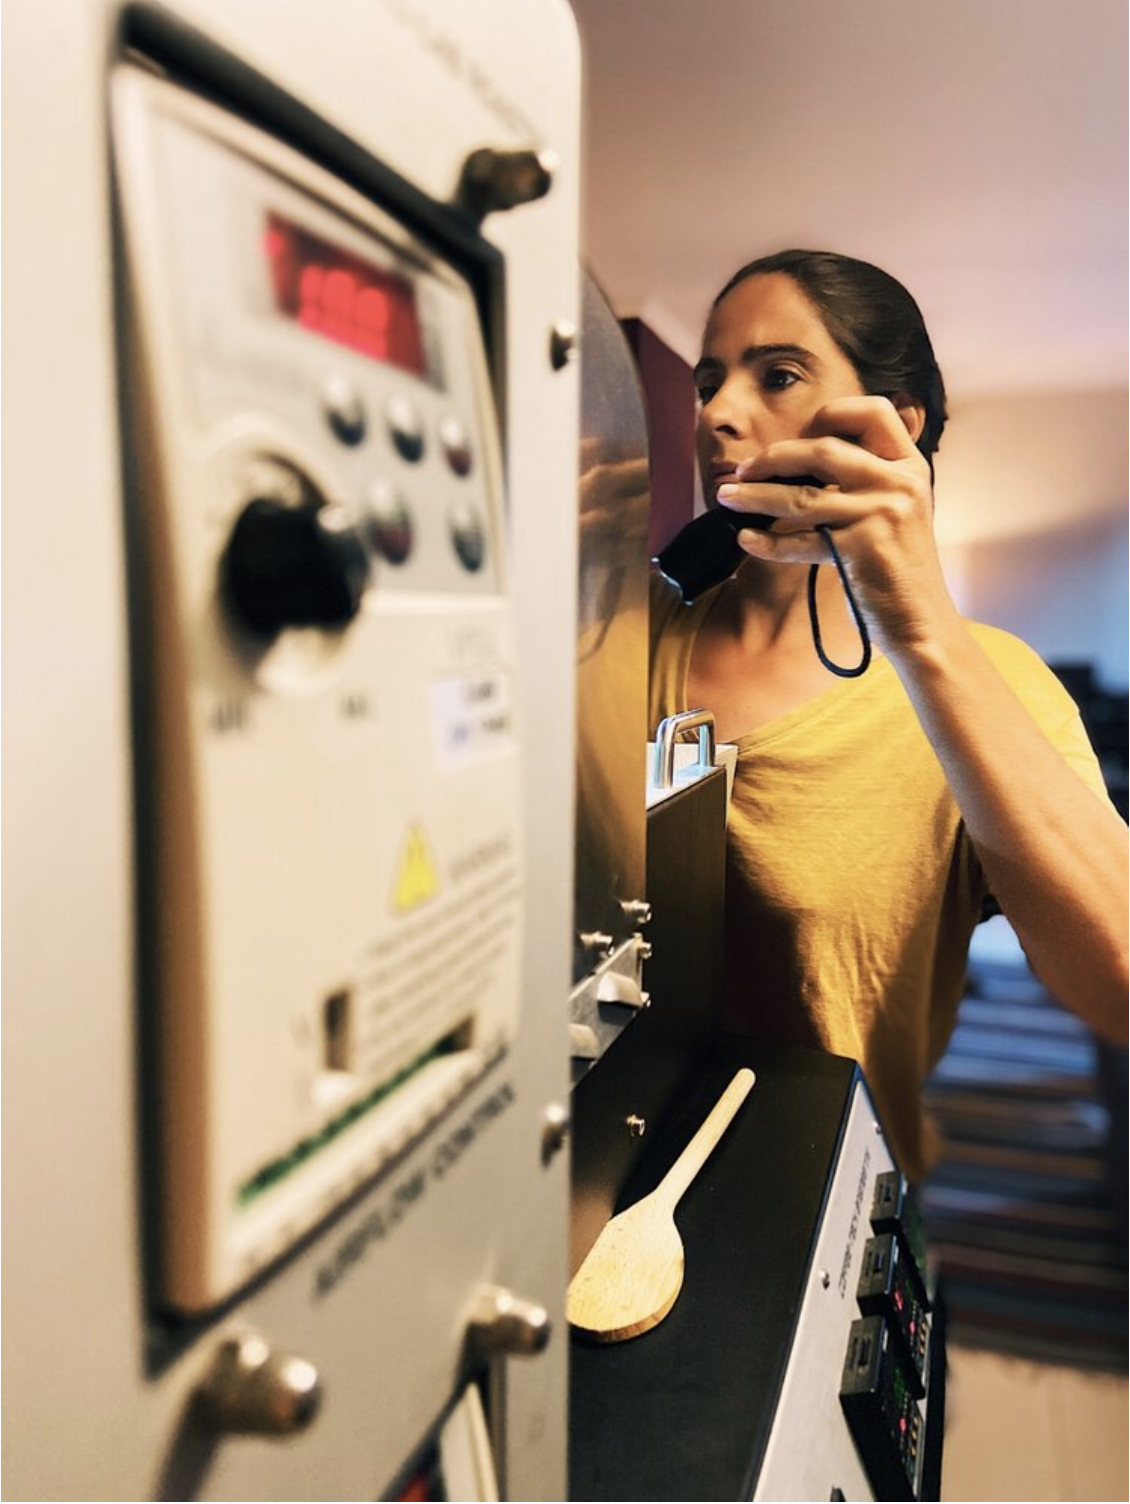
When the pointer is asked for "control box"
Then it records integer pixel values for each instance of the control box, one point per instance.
(321, 590)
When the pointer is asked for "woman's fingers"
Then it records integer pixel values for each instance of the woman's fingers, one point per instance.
(856, 460)
(800, 508)
(784, 548)
(831, 461)
(873, 423)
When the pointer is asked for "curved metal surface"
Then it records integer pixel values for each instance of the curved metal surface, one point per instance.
(612, 642)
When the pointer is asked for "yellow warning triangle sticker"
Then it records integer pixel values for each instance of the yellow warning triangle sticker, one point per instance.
(417, 879)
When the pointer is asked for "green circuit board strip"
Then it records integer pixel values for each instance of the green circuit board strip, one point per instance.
(279, 1169)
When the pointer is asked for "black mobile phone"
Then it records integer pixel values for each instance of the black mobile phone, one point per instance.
(707, 551)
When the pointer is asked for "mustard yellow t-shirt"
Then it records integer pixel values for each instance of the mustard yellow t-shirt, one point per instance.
(852, 889)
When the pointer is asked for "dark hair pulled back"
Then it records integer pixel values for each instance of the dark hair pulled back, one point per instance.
(874, 321)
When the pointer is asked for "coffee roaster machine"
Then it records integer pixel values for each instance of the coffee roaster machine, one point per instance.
(315, 749)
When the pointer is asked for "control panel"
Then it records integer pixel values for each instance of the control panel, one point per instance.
(886, 1366)
(329, 818)
(859, 1383)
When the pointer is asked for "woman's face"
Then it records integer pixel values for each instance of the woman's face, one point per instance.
(768, 366)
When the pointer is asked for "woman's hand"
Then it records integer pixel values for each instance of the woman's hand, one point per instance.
(874, 492)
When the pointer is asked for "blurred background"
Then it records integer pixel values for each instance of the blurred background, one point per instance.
(978, 152)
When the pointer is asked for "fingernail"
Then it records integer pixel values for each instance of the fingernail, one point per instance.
(728, 492)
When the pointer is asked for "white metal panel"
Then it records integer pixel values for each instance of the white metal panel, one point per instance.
(377, 1299)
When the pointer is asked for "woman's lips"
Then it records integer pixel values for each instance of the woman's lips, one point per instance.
(722, 475)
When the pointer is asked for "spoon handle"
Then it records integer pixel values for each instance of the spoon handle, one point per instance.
(671, 1188)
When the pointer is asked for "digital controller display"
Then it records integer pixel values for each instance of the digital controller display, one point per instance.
(343, 297)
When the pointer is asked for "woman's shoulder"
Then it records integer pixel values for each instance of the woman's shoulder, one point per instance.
(1027, 675)
(1012, 656)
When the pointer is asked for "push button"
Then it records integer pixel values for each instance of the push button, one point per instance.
(388, 523)
(405, 427)
(345, 412)
(456, 445)
(467, 536)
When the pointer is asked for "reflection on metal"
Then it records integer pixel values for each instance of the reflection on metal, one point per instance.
(612, 641)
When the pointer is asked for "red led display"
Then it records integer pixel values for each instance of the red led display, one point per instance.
(343, 297)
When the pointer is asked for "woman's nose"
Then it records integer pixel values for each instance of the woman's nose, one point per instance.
(722, 414)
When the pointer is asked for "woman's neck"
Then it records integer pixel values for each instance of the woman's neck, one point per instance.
(765, 607)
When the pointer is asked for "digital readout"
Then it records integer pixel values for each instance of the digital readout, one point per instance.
(343, 297)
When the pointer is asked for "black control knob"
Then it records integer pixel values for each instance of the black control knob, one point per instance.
(293, 566)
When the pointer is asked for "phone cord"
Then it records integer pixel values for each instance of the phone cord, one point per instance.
(865, 657)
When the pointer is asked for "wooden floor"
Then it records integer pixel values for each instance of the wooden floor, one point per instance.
(1017, 1430)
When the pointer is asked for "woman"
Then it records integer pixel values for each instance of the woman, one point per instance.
(873, 817)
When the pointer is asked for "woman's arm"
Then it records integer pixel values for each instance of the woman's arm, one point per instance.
(1053, 852)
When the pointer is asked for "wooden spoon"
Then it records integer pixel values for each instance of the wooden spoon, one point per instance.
(633, 1273)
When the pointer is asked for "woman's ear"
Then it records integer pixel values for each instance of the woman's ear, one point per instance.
(912, 413)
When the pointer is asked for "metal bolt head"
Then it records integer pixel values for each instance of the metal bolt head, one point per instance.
(251, 1390)
(555, 1133)
(563, 344)
(637, 1126)
(494, 180)
(597, 944)
(501, 1323)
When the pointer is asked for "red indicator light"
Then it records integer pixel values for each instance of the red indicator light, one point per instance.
(343, 297)
(902, 1424)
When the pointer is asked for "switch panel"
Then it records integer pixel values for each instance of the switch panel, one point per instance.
(886, 1288)
(894, 1209)
(881, 1410)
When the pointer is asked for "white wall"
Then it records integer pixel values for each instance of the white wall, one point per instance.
(1032, 519)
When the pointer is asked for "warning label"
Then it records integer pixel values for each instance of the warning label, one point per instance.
(417, 879)
(449, 962)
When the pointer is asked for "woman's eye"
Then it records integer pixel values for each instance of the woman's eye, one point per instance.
(705, 392)
(779, 378)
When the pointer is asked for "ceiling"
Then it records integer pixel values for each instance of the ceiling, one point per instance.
(976, 149)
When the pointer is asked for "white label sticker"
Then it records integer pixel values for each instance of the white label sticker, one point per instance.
(471, 718)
